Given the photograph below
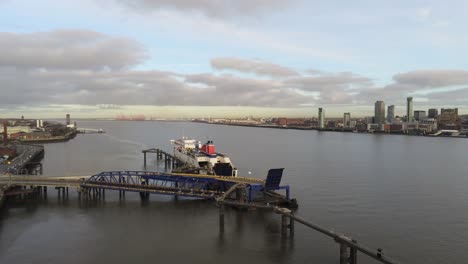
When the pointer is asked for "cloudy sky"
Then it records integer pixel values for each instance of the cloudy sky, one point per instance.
(188, 58)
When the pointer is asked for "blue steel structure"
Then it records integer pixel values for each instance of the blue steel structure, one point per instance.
(198, 186)
(272, 183)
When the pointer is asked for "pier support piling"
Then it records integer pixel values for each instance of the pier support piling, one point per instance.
(343, 253)
(291, 226)
(352, 255)
(221, 218)
(284, 225)
(286, 221)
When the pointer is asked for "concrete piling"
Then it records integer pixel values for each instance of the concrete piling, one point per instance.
(343, 253)
(352, 256)
(284, 225)
(291, 226)
(221, 218)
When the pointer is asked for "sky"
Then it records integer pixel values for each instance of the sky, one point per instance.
(231, 58)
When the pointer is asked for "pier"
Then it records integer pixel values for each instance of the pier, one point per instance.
(249, 191)
(169, 160)
(90, 130)
(236, 192)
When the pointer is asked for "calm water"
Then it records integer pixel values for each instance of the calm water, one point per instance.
(407, 195)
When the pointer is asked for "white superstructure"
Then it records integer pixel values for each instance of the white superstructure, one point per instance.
(203, 157)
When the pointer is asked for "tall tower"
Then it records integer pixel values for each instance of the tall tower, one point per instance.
(409, 109)
(390, 113)
(379, 113)
(321, 116)
(347, 120)
(433, 113)
(68, 122)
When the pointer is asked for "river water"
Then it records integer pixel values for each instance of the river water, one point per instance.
(407, 195)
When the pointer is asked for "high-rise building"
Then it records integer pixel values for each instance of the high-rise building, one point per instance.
(409, 109)
(379, 113)
(449, 110)
(347, 120)
(390, 113)
(68, 122)
(321, 115)
(433, 113)
(419, 115)
(448, 118)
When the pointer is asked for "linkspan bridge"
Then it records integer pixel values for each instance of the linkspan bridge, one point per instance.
(249, 191)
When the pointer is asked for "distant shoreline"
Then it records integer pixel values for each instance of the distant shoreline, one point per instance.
(65, 138)
(327, 130)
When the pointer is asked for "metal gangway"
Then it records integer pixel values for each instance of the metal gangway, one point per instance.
(202, 186)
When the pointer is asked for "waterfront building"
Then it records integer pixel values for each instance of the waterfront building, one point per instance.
(17, 129)
(390, 113)
(347, 120)
(448, 118)
(68, 121)
(428, 125)
(393, 128)
(432, 113)
(282, 121)
(374, 127)
(321, 115)
(369, 119)
(419, 115)
(409, 110)
(379, 113)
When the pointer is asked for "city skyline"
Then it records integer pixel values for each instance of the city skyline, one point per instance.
(173, 59)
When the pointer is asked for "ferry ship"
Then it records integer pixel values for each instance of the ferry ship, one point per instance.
(204, 158)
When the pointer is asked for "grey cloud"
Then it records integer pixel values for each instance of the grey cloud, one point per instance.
(154, 88)
(314, 72)
(330, 82)
(212, 8)
(69, 49)
(89, 68)
(431, 78)
(109, 106)
(253, 66)
(458, 96)
(233, 90)
(435, 86)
